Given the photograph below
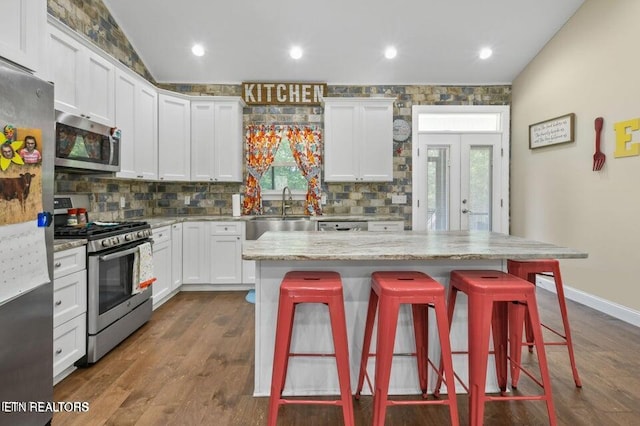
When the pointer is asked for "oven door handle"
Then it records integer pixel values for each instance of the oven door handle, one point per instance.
(107, 257)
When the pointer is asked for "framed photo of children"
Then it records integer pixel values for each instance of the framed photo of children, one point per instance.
(552, 132)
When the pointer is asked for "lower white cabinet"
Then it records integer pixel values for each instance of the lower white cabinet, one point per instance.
(69, 310)
(162, 262)
(212, 256)
(226, 252)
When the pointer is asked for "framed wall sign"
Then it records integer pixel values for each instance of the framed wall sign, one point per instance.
(552, 132)
(272, 93)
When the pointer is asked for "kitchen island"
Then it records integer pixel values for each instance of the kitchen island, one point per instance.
(355, 255)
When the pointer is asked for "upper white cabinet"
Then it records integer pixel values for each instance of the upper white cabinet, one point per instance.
(174, 138)
(358, 139)
(22, 31)
(84, 80)
(137, 119)
(216, 139)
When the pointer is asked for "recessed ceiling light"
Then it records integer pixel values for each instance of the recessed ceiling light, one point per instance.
(197, 50)
(390, 52)
(485, 53)
(295, 52)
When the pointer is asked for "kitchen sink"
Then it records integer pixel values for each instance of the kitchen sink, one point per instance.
(260, 225)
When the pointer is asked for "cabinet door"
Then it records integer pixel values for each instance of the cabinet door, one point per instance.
(202, 140)
(146, 132)
(98, 90)
(341, 136)
(176, 256)
(20, 36)
(226, 259)
(125, 121)
(162, 271)
(195, 253)
(65, 58)
(376, 142)
(174, 138)
(228, 142)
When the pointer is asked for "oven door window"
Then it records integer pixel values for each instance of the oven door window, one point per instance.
(116, 281)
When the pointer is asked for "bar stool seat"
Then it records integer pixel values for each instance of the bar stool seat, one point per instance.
(390, 289)
(527, 270)
(310, 287)
(495, 300)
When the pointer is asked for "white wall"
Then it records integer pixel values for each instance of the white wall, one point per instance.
(591, 68)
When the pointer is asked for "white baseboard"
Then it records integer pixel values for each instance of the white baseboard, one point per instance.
(605, 306)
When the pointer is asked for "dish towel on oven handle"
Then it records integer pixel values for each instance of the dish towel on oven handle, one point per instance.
(142, 268)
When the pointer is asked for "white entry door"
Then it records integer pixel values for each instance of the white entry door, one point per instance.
(460, 179)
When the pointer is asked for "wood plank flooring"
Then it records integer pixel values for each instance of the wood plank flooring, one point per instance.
(192, 364)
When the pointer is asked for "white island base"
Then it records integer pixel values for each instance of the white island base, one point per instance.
(312, 332)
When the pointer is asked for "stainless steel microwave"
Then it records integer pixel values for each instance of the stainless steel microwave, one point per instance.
(82, 145)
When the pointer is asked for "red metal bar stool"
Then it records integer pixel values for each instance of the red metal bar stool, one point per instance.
(527, 270)
(496, 299)
(390, 289)
(310, 287)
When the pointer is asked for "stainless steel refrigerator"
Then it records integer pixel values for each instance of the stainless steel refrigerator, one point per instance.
(26, 249)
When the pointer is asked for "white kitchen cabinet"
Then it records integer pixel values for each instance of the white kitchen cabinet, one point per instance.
(137, 118)
(21, 32)
(195, 253)
(226, 252)
(161, 265)
(358, 139)
(386, 226)
(217, 139)
(174, 138)
(69, 310)
(176, 256)
(84, 80)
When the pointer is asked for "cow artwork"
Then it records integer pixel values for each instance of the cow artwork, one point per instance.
(20, 174)
(16, 188)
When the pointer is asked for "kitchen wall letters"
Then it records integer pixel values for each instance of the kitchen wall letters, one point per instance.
(255, 93)
(624, 146)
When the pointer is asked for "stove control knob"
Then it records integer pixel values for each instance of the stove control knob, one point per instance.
(105, 243)
(128, 237)
(140, 234)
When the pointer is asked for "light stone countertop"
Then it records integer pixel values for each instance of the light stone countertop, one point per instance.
(406, 245)
(67, 244)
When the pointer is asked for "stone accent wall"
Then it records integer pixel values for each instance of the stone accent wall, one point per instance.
(92, 19)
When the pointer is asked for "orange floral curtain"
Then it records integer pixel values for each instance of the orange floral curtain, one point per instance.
(305, 145)
(262, 144)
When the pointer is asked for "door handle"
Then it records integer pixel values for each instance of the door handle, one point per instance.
(466, 211)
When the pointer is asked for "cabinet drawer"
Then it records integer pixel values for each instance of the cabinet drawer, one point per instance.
(226, 228)
(389, 226)
(68, 261)
(69, 343)
(69, 297)
(161, 235)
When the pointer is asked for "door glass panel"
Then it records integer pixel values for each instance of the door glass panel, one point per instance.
(438, 188)
(480, 188)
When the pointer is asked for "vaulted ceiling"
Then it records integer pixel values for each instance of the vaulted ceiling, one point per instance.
(343, 41)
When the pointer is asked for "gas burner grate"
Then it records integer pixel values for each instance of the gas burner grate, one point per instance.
(93, 230)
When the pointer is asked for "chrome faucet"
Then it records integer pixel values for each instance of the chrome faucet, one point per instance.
(286, 205)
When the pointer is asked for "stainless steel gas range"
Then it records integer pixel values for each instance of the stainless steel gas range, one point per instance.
(115, 309)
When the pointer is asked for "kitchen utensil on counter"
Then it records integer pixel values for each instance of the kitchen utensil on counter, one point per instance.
(598, 157)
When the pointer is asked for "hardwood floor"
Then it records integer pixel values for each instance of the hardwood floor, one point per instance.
(192, 364)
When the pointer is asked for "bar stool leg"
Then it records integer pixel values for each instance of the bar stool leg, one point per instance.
(565, 323)
(366, 346)
(421, 331)
(446, 360)
(479, 327)
(500, 342)
(281, 355)
(532, 310)
(387, 323)
(338, 329)
(451, 304)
